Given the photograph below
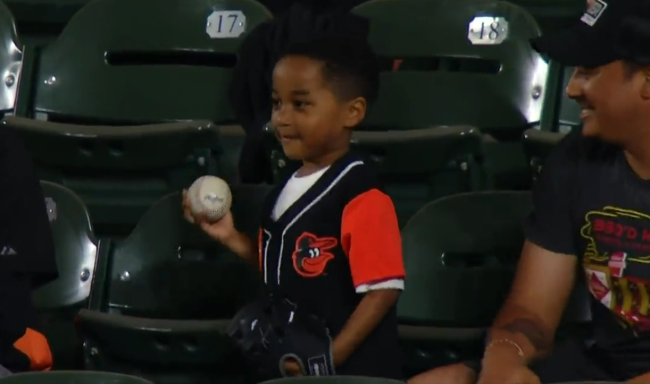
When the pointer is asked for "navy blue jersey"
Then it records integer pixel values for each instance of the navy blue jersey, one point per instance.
(27, 258)
(339, 235)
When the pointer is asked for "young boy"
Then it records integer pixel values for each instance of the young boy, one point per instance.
(27, 259)
(329, 238)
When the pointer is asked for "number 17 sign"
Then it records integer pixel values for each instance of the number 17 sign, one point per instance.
(487, 30)
(225, 24)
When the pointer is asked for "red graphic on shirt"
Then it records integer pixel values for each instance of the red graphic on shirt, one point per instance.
(617, 263)
(630, 302)
(597, 287)
(311, 255)
(616, 257)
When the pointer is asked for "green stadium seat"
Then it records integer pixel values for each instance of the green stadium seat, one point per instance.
(76, 253)
(460, 254)
(332, 380)
(162, 298)
(537, 145)
(569, 119)
(418, 166)
(232, 139)
(560, 113)
(119, 171)
(40, 22)
(136, 63)
(552, 97)
(72, 377)
(495, 84)
(11, 56)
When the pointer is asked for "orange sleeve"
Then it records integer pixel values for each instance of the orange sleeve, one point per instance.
(35, 346)
(371, 239)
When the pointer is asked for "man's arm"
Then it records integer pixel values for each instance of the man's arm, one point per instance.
(547, 267)
(534, 307)
(643, 379)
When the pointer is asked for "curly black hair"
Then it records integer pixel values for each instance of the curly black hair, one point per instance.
(350, 66)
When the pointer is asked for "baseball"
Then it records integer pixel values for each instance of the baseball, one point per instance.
(209, 196)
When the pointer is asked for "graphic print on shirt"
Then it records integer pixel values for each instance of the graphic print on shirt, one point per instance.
(617, 263)
(311, 255)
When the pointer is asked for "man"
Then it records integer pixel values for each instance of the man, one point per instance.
(592, 213)
(26, 259)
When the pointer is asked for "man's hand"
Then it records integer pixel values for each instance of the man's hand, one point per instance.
(502, 365)
(292, 368)
(504, 374)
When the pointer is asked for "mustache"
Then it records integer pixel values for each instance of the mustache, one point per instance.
(583, 103)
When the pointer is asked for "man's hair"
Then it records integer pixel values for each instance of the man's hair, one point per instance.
(350, 66)
(632, 67)
(635, 33)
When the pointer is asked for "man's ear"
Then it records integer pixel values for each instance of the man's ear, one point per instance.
(355, 113)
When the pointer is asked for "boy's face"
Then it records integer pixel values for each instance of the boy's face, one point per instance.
(310, 121)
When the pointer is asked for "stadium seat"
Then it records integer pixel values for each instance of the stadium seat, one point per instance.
(72, 377)
(537, 145)
(136, 62)
(332, 380)
(133, 63)
(560, 113)
(460, 254)
(552, 97)
(76, 253)
(418, 166)
(494, 82)
(11, 57)
(119, 171)
(162, 299)
(569, 120)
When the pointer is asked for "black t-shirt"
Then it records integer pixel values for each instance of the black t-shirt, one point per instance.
(589, 203)
(27, 257)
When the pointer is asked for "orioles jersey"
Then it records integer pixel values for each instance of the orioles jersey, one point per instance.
(27, 259)
(333, 243)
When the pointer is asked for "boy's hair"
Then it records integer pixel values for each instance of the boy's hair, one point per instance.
(349, 65)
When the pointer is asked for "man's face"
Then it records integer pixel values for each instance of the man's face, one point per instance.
(610, 101)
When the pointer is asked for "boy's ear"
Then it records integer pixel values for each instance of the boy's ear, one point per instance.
(645, 89)
(356, 112)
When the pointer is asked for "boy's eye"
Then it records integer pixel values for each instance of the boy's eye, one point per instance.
(300, 104)
(276, 103)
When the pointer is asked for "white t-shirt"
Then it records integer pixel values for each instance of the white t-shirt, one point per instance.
(292, 191)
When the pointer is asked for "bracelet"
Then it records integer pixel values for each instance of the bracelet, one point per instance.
(492, 343)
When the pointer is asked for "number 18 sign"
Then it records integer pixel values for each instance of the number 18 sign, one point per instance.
(487, 30)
